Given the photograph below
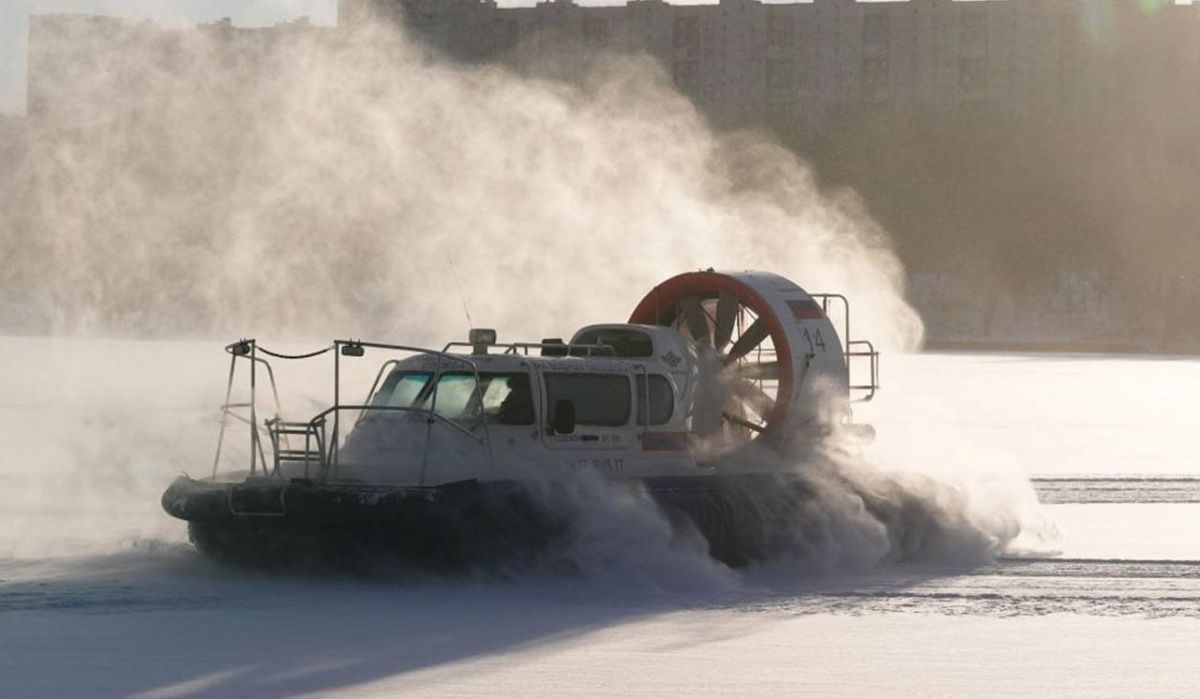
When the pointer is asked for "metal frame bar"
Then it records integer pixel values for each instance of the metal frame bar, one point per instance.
(312, 430)
(224, 412)
(516, 347)
(849, 353)
(253, 409)
(873, 387)
(244, 349)
(328, 449)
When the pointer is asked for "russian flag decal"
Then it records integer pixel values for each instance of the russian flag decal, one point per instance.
(806, 310)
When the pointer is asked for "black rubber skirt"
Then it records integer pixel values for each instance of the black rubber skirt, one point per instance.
(271, 523)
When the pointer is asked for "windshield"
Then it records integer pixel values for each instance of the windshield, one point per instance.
(401, 389)
(502, 398)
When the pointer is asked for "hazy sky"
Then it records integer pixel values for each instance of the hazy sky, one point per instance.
(14, 25)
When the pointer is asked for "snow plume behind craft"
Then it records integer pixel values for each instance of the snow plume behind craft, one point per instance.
(325, 183)
(335, 181)
(846, 516)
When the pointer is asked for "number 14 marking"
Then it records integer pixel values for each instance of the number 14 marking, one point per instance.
(815, 341)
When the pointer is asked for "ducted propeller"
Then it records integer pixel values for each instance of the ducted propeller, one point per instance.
(767, 361)
(747, 371)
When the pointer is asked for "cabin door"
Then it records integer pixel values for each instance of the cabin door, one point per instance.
(603, 428)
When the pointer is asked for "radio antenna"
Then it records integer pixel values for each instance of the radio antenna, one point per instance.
(461, 297)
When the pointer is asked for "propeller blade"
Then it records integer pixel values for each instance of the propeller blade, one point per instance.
(743, 422)
(760, 371)
(754, 335)
(696, 320)
(754, 397)
(727, 308)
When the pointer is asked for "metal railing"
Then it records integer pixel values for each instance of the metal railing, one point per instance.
(321, 449)
(566, 348)
(313, 452)
(854, 350)
(872, 386)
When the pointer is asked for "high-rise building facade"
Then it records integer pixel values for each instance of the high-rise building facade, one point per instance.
(809, 62)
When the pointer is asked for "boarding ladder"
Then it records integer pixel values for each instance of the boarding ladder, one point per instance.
(312, 454)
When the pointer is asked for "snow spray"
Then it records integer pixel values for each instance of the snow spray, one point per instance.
(317, 186)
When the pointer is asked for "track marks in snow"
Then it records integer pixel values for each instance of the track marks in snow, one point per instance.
(1126, 490)
(1009, 587)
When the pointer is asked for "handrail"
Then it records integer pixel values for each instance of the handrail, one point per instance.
(825, 297)
(249, 349)
(379, 376)
(848, 352)
(314, 429)
(384, 345)
(245, 348)
(399, 409)
(873, 387)
(511, 348)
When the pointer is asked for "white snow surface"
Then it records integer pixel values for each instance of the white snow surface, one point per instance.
(100, 595)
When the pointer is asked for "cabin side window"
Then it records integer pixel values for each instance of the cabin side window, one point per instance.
(503, 399)
(601, 400)
(507, 400)
(661, 399)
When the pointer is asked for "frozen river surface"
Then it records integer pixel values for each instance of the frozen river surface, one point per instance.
(1099, 596)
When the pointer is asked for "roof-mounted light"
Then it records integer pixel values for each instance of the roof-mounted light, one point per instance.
(481, 339)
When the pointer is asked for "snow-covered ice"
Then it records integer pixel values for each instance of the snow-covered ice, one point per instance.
(101, 596)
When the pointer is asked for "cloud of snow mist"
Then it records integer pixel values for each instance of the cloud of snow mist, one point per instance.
(865, 512)
(93, 430)
(321, 183)
(615, 531)
(832, 506)
(334, 181)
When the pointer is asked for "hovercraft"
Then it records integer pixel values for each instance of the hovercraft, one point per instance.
(454, 456)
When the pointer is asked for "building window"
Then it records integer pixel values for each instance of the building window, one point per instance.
(781, 107)
(687, 73)
(974, 27)
(781, 31)
(973, 108)
(874, 74)
(876, 28)
(595, 31)
(780, 75)
(687, 34)
(506, 32)
(972, 74)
